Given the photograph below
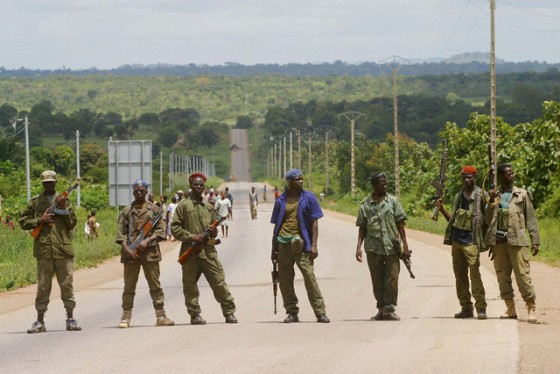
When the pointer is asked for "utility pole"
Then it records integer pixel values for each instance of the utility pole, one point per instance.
(27, 162)
(327, 160)
(299, 147)
(160, 172)
(310, 134)
(493, 132)
(291, 151)
(395, 63)
(285, 170)
(78, 196)
(352, 117)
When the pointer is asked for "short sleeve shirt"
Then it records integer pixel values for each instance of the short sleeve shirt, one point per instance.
(380, 221)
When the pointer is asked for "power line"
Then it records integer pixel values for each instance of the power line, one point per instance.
(454, 28)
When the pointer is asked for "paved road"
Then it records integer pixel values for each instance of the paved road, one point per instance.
(426, 340)
(240, 155)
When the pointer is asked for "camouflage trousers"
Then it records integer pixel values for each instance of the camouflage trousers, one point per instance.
(64, 271)
(508, 259)
(213, 271)
(151, 273)
(466, 259)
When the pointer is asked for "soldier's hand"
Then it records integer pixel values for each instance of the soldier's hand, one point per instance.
(61, 201)
(198, 239)
(359, 255)
(213, 231)
(46, 217)
(493, 193)
(535, 249)
(491, 253)
(144, 243)
(128, 252)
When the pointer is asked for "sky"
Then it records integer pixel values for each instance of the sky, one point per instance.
(81, 34)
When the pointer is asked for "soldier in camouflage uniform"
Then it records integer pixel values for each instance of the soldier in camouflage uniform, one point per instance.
(510, 218)
(192, 218)
(53, 249)
(147, 255)
(465, 235)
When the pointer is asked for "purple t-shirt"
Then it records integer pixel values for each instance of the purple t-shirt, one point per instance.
(309, 210)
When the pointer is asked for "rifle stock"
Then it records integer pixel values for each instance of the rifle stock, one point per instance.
(197, 246)
(37, 230)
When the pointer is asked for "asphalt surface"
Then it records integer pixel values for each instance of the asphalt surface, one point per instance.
(426, 340)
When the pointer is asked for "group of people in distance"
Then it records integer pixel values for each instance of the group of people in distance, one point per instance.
(502, 221)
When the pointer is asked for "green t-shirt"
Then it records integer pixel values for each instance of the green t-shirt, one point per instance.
(290, 226)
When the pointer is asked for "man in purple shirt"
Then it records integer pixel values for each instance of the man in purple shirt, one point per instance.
(296, 229)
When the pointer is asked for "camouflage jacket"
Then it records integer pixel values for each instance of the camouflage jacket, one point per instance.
(521, 220)
(131, 223)
(54, 241)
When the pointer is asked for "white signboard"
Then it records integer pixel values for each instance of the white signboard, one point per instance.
(129, 160)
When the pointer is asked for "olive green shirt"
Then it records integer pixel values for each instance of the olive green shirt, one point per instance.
(192, 218)
(54, 241)
(380, 221)
(521, 220)
(131, 224)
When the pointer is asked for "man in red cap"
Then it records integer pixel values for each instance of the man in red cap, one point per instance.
(465, 235)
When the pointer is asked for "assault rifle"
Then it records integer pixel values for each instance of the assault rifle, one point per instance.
(144, 233)
(198, 245)
(274, 272)
(54, 209)
(405, 260)
(440, 183)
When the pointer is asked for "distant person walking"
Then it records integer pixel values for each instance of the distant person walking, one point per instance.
(264, 193)
(230, 198)
(223, 208)
(253, 202)
(169, 217)
(53, 249)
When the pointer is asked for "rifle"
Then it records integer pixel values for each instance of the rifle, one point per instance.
(198, 245)
(54, 209)
(440, 183)
(406, 261)
(274, 273)
(491, 175)
(144, 232)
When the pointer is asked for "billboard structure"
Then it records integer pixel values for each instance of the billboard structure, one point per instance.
(128, 160)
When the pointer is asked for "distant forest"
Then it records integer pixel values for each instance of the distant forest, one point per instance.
(340, 68)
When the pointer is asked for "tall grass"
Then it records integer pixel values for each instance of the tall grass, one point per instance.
(18, 266)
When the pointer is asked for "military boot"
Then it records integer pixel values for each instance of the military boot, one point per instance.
(510, 312)
(532, 318)
(125, 319)
(161, 318)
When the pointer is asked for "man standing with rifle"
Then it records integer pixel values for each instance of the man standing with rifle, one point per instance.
(465, 232)
(381, 220)
(296, 230)
(512, 222)
(193, 226)
(51, 217)
(140, 230)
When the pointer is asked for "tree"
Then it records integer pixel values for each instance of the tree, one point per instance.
(244, 122)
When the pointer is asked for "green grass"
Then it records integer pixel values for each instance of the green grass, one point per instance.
(18, 266)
